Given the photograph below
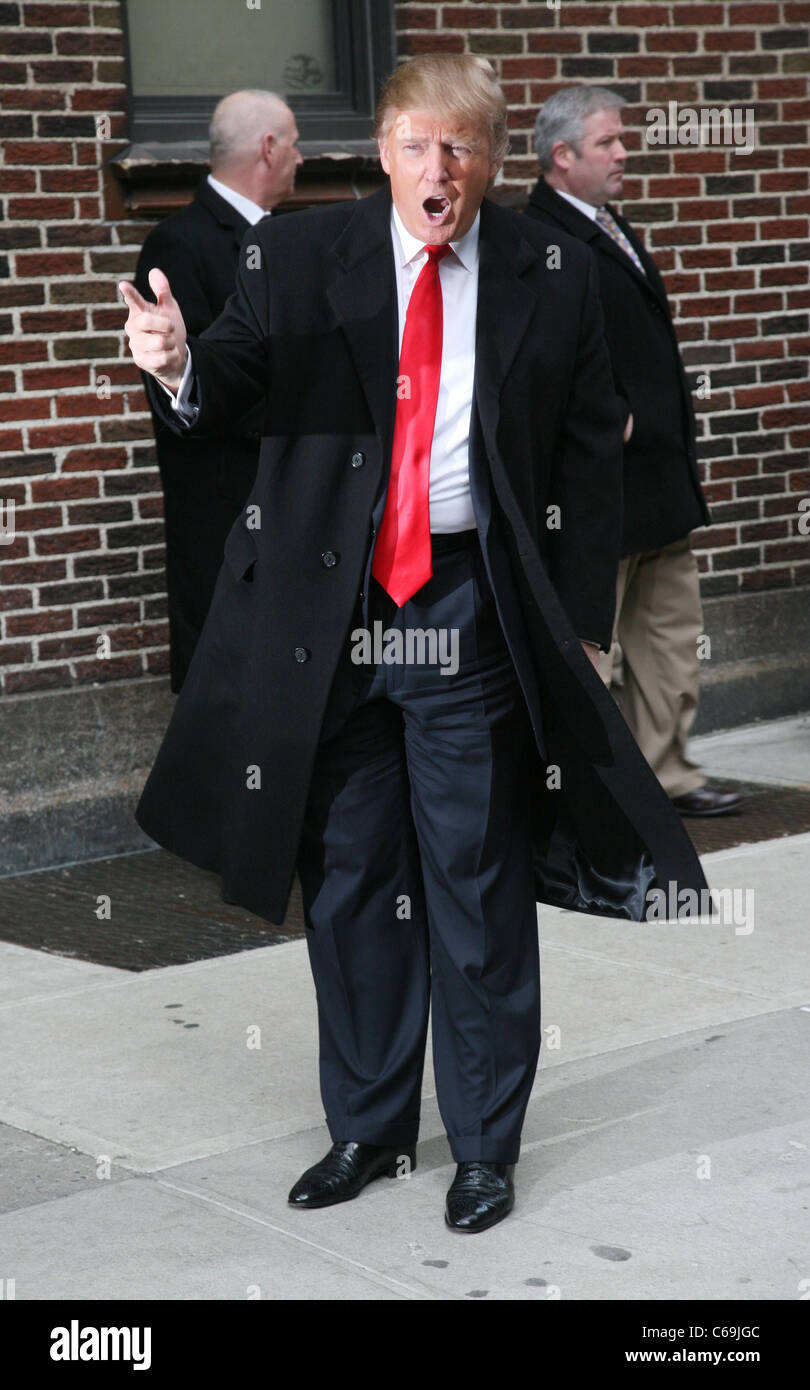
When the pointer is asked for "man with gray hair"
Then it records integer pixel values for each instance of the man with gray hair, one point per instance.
(253, 156)
(578, 138)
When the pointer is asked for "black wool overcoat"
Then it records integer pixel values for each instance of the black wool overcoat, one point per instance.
(663, 499)
(312, 331)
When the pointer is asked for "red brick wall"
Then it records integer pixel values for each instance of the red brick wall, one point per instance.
(77, 453)
(730, 232)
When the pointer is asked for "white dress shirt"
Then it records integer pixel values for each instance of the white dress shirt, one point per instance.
(451, 506)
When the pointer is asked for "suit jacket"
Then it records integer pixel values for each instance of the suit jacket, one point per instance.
(204, 485)
(663, 499)
(319, 346)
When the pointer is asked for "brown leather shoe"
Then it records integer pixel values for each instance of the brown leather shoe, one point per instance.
(708, 801)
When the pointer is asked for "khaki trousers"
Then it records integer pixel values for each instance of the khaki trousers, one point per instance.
(653, 668)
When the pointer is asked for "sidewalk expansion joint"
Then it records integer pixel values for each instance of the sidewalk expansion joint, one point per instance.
(246, 1214)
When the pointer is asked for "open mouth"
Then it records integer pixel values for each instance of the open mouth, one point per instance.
(437, 208)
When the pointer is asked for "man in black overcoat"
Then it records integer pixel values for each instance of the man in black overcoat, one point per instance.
(658, 627)
(253, 156)
(394, 691)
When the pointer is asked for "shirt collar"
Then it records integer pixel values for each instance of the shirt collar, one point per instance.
(588, 208)
(251, 211)
(466, 248)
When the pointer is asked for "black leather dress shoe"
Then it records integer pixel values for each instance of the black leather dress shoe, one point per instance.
(346, 1170)
(480, 1194)
(707, 801)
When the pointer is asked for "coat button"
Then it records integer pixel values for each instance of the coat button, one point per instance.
(358, 460)
(302, 654)
(329, 558)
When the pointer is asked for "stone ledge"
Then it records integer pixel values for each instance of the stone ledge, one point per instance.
(759, 667)
(74, 766)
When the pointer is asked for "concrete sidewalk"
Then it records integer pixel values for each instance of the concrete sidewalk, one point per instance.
(152, 1123)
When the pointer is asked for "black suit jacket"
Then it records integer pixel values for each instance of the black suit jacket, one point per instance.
(663, 499)
(204, 484)
(319, 346)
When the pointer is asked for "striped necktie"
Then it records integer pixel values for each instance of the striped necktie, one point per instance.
(614, 231)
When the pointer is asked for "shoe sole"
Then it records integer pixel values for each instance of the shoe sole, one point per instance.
(390, 1172)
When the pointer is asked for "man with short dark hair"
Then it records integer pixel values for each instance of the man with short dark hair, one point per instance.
(578, 138)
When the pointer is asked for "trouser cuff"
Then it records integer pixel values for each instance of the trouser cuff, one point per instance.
(466, 1149)
(349, 1129)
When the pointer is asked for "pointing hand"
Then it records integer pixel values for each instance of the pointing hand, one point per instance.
(156, 332)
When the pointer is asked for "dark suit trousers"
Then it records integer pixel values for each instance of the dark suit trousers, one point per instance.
(416, 870)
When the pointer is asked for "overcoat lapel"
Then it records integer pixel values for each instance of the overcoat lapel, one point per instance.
(505, 307)
(363, 295)
(223, 211)
(610, 248)
(651, 281)
(575, 222)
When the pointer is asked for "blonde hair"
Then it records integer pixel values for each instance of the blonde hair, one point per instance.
(456, 86)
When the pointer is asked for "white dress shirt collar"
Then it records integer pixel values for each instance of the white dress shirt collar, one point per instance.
(587, 208)
(466, 248)
(251, 211)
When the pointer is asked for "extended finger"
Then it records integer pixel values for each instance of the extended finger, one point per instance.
(133, 298)
(159, 285)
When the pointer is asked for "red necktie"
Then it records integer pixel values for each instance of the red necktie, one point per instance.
(402, 560)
